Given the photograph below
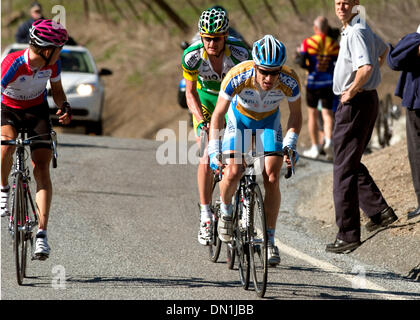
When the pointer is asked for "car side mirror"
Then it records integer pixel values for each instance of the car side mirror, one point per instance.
(105, 72)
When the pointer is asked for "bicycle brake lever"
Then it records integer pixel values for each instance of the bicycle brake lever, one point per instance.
(291, 169)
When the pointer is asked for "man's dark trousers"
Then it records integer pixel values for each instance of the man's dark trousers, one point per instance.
(413, 146)
(353, 187)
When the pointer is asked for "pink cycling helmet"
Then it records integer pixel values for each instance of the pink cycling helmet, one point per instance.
(47, 33)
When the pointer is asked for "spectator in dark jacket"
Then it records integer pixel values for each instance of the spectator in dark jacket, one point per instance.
(405, 57)
(22, 34)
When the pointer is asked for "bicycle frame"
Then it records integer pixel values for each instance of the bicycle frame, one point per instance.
(31, 220)
(22, 221)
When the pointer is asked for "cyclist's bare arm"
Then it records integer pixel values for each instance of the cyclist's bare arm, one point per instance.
(59, 98)
(294, 124)
(218, 116)
(193, 100)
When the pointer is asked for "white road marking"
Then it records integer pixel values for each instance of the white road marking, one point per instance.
(367, 285)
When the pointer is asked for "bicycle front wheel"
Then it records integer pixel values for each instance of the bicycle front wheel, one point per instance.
(216, 243)
(258, 242)
(19, 244)
(240, 242)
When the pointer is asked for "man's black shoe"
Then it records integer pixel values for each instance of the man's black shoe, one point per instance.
(413, 213)
(340, 246)
(382, 219)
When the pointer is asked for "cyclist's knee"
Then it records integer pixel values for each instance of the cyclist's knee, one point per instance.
(41, 168)
(233, 172)
(7, 152)
(272, 178)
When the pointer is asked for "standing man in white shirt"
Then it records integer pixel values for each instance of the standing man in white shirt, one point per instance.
(356, 77)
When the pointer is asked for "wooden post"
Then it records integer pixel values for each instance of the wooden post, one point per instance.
(172, 15)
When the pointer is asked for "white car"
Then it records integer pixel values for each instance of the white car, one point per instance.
(82, 84)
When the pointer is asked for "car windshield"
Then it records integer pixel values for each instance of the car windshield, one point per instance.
(72, 61)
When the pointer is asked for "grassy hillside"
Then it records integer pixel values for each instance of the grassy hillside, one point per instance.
(141, 45)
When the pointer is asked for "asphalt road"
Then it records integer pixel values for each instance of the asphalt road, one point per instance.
(123, 226)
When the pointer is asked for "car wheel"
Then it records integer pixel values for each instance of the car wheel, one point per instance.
(94, 127)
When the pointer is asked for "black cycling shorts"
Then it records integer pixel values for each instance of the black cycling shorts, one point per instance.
(35, 119)
(326, 95)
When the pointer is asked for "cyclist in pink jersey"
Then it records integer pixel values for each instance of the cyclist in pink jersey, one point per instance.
(24, 76)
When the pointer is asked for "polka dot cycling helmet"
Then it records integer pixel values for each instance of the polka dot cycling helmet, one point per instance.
(47, 33)
(213, 21)
(268, 52)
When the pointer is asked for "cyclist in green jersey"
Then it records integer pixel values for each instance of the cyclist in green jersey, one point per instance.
(205, 63)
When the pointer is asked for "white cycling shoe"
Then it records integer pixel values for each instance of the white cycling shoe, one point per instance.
(205, 232)
(4, 202)
(273, 255)
(225, 228)
(42, 249)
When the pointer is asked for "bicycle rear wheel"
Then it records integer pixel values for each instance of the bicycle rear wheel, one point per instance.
(258, 242)
(216, 243)
(241, 241)
(19, 244)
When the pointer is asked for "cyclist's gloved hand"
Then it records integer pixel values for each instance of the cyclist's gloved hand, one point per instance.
(65, 109)
(201, 126)
(290, 141)
(215, 153)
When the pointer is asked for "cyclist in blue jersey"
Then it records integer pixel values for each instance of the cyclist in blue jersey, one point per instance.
(250, 94)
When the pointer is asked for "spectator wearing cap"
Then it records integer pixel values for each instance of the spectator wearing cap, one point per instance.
(22, 33)
(405, 57)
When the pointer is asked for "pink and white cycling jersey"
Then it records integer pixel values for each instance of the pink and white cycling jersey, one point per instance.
(22, 87)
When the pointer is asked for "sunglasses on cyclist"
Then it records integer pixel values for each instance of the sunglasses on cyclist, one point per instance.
(209, 39)
(269, 73)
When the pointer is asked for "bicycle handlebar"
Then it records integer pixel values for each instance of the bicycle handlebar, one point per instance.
(30, 142)
(291, 169)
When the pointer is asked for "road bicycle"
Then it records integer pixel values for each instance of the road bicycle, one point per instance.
(249, 241)
(388, 112)
(23, 221)
(215, 243)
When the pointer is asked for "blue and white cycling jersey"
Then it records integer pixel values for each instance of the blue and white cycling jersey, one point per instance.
(254, 110)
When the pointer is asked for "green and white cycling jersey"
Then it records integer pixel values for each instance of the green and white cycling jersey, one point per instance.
(197, 67)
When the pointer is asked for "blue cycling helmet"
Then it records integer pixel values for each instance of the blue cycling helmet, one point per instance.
(269, 52)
